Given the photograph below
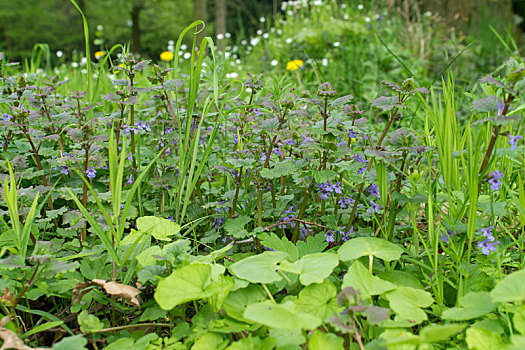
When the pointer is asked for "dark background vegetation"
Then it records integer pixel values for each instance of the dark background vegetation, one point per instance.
(147, 25)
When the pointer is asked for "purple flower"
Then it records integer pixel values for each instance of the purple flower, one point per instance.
(374, 207)
(345, 202)
(130, 180)
(126, 128)
(501, 107)
(494, 181)
(513, 140)
(106, 166)
(359, 158)
(257, 111)
(330, 237)
(341, 142)
(277, 151)
(487, 246)
(169, 130)
(263, 157)
(130, 157)
(327, 188)
(170, 218)
(285, 217)
(304, 231)
(373, 190)
(487, 233)
(351, 134)
(91, 173)
(345, 236)
(361, 171)
(290, 142)
(6, 117)
(306, 139)
(65, 170)
(446, 236)
(235, 138)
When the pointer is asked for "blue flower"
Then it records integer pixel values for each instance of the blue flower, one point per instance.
(352, 134)
(257, 111)
(374, 207)
(373, 190)
(277, 151)
(306, 139)
(91, 173)
(487, 246)
(446, 236)
(6, 117)
(290, 142)
(327, 188)
(329, 236)
(494, 181)
(130, 180)
(65, 170)
(345, 202)
(513, 140)
(359, 158)
(487, 232)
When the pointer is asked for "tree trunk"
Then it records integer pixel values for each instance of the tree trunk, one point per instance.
(220, 22)
(200, 12)
(135, 28)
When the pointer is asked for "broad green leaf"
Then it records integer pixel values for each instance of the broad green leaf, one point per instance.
(89, 323)
(518, 320)
(253, 343)
(313, 268)
(225, 284)
(271, 240)
(407, 303)
(146, 257)
(283, 316)
(322, 176)
(440, 332)
(235, 227)
(283, 168)
(191, 282)
(318, 300)
(470, 306)
(361, 279)
(482, 339)
(361, 246)
(237, 301)
(159, 228)
(210, 341)
(259, 268)
(287, 337)
(400, 278)
(313, 244)
(77, 342)
(324, 341)
(510, 289)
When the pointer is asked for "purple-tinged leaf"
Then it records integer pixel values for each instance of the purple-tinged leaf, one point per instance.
(386, 103)
(487, 104)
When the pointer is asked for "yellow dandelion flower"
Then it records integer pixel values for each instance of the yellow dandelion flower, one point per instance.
(99, 54)
(294, 65)
(117, 71)
(166, 56)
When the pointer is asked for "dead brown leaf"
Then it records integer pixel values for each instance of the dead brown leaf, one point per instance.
(128, 293)
(11, 341)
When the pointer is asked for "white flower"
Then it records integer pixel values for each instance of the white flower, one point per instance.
(318, 3)
(111, 76)
(183, 47)
(57, 71)
(376, 16)
(232, 75)
(259, 32)
(227, 55)
(343, 6)
(274, 63)
(272, 30)
(266, 35)
(289, 40)
(262, 19)
(289, 13)
(187, 55)
(84, 71)
(171, 42)
(254, 41)
(337, 44)
(220, 36)
(279, 32)
(100, 27)
(324, 62)
(235, 48)
(181, 53)
(360, 7)
(284, 4)
(427, 14)
(367, 19)
(130, 23)
(345, 17)
(238, 61)
(83, 61)
(60, 54)
(171, 48)
(228, 35)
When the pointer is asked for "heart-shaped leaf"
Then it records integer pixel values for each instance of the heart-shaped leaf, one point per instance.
(259, 268)
(313, 268)
(378, 247)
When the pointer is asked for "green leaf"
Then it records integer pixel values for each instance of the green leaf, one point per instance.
(89, 323)
(313, 268)
(283, 316)
(191, 282)
(312, 245)
(271, 240)
(400, 278)
(378, 247)
(42, 327)
(440, 332)
(210, 341)
(361, 279)
(76, 342)
(470, 306)
(322, 176)
(318, 300)
(407, 303)
(235, 227)
(159, 228)
(323, 341)
(253, 343)
(259, 268)
(518, 321)
(510, 289)
(237, 301)
(147, 256)
(482, 339)
(283, 168)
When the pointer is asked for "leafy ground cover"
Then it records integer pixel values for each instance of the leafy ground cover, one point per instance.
(188, 204)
